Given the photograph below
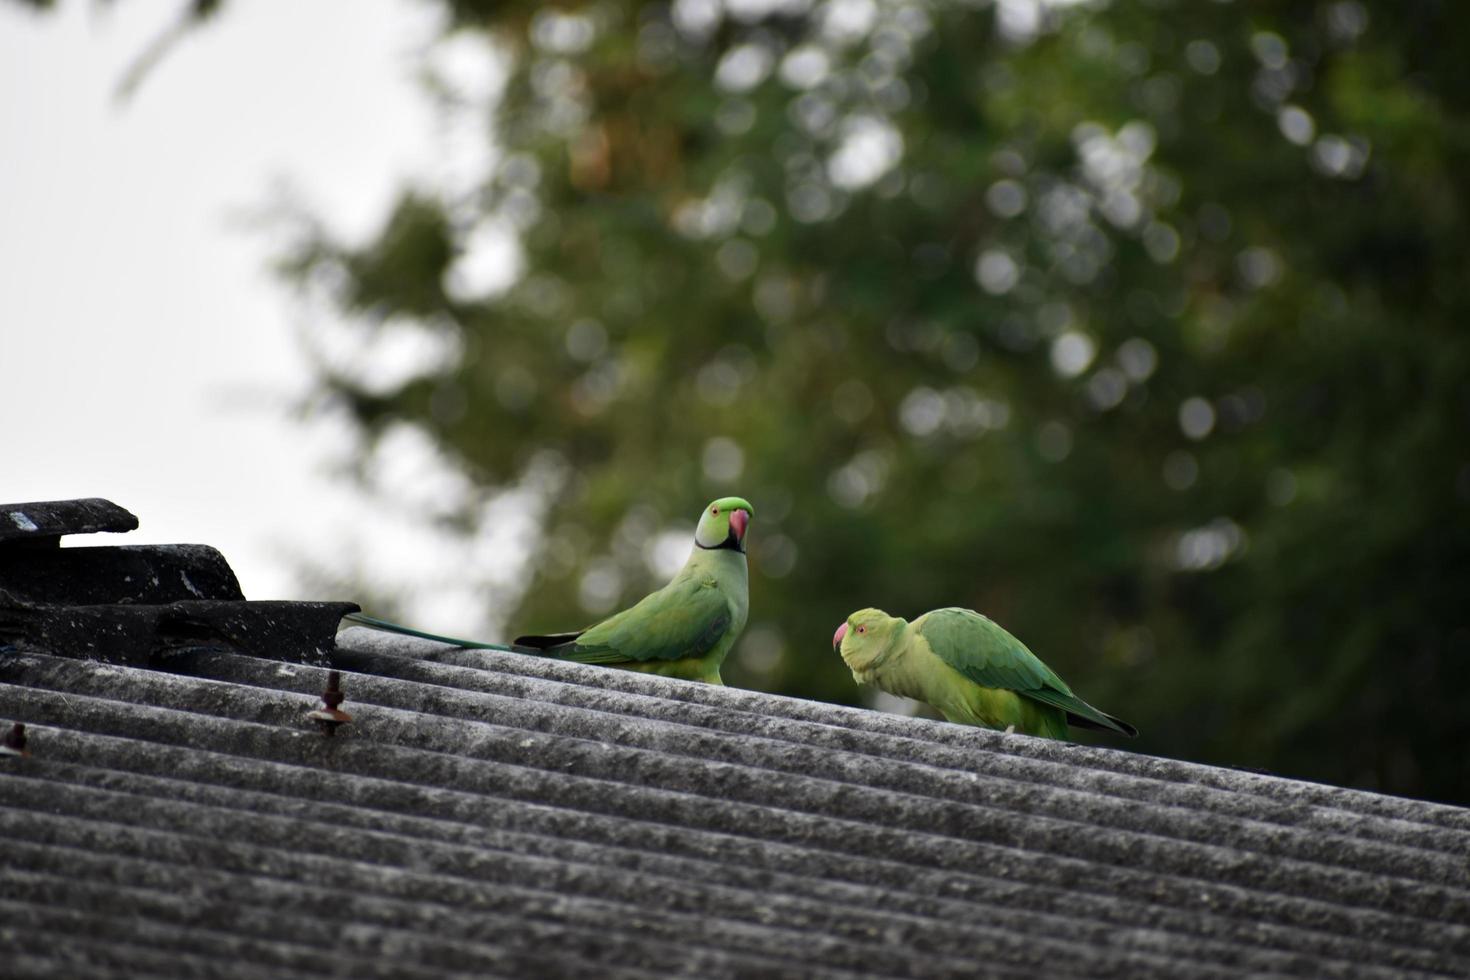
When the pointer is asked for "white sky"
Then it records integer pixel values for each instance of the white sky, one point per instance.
(147, 355)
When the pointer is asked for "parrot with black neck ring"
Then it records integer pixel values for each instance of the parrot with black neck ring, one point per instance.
(686, 628)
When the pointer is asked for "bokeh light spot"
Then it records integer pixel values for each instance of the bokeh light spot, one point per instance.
(996, 271)
(1071, 353)
(1196, 418)
(723, 459)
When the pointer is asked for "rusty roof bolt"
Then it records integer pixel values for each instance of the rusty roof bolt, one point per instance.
(15, 742)
(329, 717)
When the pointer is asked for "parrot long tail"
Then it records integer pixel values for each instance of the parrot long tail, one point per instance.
(387, 627)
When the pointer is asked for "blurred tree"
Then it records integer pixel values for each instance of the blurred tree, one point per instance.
(189, 15)
(1138, 325)
(1134, 325)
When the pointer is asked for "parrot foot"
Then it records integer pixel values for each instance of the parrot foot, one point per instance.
(1010, 730)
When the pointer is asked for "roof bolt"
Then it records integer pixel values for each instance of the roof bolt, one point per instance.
(15, 742)
(329, 717)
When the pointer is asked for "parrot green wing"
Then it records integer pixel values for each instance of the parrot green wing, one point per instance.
(686, 618)
(985, 653)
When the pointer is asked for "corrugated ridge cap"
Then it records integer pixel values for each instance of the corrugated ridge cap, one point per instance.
(206, 694)
(1010, 782)
(1282, 788)
(705, 720)
(1153, 885)
(905, 891)
(438, 722)
(427, 729)
(875, 810)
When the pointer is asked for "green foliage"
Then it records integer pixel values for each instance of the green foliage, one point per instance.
(1138, 326)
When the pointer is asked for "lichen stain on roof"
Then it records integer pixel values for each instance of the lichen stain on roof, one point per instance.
(490, 814)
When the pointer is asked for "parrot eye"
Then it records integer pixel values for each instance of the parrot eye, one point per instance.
(714, 510)
(862, 629)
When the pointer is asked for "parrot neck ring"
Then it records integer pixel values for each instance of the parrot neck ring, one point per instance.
(731, 543)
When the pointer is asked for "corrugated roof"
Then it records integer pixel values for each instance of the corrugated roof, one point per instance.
(496, 814)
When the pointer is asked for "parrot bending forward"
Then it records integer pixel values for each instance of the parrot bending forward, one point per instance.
(969, 668)
(685, 628)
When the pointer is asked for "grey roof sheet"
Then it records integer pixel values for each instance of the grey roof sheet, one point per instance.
(496, 814)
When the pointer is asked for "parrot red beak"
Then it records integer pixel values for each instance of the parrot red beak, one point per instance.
(739, 518)
(837, 637)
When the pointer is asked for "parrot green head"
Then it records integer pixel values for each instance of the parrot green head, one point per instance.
(866, 636)
(723, 525)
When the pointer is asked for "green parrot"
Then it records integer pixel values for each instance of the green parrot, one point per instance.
(969, 668)
(685, 628)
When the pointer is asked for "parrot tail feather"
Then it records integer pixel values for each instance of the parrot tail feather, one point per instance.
(547, 641)
(384, 626)
(1080, 713)
(1111, 724)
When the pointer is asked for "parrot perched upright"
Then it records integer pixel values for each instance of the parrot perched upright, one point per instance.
(969, 668)
(685, 628)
